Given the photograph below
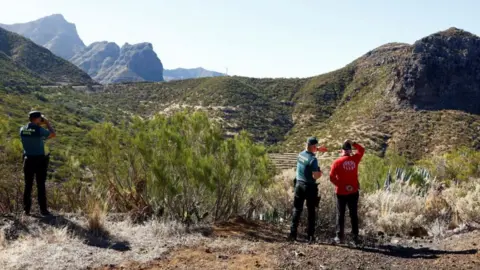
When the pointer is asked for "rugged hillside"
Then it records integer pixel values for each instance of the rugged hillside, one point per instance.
(21, 60)
(416, 99)
(52, 32)
(419, 98)
(189, 73)
(106, 62)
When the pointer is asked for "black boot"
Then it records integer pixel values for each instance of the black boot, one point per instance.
(292, 237)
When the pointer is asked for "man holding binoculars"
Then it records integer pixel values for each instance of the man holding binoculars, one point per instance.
(35, 162)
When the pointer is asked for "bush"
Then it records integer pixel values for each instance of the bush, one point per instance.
(10, 171)
(397, 211)
(181, 167)
(458, 165)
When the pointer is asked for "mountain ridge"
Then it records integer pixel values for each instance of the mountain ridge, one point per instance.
(24, 61)
(58, 35)
(189, 73)
(52, 32)
(107, 63)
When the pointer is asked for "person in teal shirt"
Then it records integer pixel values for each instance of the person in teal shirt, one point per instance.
(306, 189)
(35, 162)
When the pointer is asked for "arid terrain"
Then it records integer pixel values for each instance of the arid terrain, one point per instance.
(62, 242)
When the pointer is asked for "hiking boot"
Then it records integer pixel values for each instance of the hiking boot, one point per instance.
(355, 240)
(292, 237)
(338, 240)
(311, 240)
(45, 213)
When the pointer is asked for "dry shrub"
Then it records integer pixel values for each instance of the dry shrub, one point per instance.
(3, 240)
(279, 196)
(393, 212)
(96, 218)
(465, 201)
(55, 235)
(326, 214)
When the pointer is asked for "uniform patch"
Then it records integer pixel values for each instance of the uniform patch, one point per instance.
(349, 165)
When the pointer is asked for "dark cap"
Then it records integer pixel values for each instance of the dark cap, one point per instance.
(34, 114)
(347, 146)
(312, 141)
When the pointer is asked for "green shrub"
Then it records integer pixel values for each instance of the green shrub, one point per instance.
(180, 166)
(458, 165)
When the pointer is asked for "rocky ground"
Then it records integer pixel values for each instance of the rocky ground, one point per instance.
(63, 242)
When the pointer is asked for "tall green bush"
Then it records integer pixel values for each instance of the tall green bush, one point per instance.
(181, 167)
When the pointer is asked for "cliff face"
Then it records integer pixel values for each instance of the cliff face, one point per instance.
(106, 62)
(443, 72)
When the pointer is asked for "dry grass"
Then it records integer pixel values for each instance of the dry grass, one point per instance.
(465, 201)
(96, 218)
(41, 245)
(402, 210)
(396, 212)
(3, 241)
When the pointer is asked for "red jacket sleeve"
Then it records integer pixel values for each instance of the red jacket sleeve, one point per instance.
(333, 174)
(360, 151)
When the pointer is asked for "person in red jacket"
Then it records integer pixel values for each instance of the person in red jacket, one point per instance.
(344, 175)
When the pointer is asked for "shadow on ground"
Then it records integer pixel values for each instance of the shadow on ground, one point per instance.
(101, 239)
(411, 252)
(248, 230)
(259, 231)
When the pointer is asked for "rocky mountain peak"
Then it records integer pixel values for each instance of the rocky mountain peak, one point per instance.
(442, 72)
(52, 32)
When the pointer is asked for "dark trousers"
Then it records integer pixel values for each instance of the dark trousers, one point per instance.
(35, 167)
(304, 192)
(343, 201)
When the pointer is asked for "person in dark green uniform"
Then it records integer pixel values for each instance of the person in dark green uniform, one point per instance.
(306, 189)
(35, 162)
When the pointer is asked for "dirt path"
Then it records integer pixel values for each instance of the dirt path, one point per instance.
(242, 245)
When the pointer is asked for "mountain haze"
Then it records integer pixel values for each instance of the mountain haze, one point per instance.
(52, 32)
(185, 73)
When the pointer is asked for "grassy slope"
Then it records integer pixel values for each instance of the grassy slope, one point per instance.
(15, 75)
(27, 55)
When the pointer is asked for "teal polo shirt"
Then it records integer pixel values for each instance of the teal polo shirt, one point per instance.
(307, 163)
(33, 139)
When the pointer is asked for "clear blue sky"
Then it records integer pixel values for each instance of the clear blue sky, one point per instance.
(259, 38)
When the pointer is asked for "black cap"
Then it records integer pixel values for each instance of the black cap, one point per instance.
(34, 114)
(347, 146)
(312, 141)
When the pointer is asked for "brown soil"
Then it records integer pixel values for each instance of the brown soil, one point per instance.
(240, 244)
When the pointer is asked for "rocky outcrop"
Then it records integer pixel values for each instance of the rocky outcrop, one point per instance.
(442, 73)
(52, 32)
(97, 58)
(106, 62)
